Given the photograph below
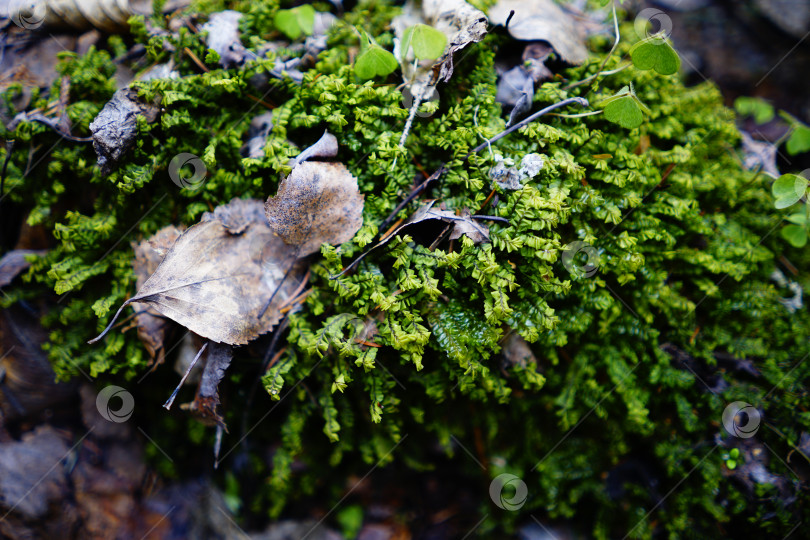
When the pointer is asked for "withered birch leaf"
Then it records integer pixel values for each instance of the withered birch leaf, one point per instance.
(218, 276)
(153, 327)
(318, 203)
(206, 402)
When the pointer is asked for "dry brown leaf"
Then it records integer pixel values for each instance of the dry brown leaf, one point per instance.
(542, 20)
(318, 203)
(206, 402)
(220, 274)
(153, 328)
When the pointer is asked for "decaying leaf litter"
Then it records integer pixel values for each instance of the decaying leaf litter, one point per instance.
(226, 278)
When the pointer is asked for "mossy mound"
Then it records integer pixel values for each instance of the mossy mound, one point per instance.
(633, 364)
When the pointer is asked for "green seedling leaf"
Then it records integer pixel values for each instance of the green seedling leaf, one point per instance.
(296, 21)
(734, 453)
(656, 54)
(799, 141)
(374, 61)
(788, 189)
(625, 109)
(731, 464)
(799, 218)
(427, 42)
(796, 235)
(761, 110)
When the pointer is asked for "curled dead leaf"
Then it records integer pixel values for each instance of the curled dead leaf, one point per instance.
(153, 328)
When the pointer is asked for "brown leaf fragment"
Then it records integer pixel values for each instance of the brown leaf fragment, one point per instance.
(462, 23)
(463, 225)
(116, 127)
(325, 147)
(543, 20)
(206, 402)
(14, 263)
(29, 480)
(153, 328)
(318, 203)
(516, 351)
(218, 276)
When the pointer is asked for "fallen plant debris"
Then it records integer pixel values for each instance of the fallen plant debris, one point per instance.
(459, 225)
(153, 328)
(115, 129)
(318, 203)
(501, 286)
(218, 275)
(14, 262)
(542, 20)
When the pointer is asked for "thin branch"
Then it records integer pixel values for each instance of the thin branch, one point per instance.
(528, 120)
(168, 404)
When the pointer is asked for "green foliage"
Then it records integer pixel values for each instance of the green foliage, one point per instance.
(296, 21)
(373, 60)
(624, 108)
(656, 54)
(410, 344)
(788, 189)
(427, 42)
(761, 110)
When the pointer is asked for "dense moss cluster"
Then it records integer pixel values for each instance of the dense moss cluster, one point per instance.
(685, 242)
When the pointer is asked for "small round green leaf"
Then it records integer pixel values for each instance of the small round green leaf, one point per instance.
(799, 141)
(655, 53)
(731, 464)
(796, 235)
(761, 110)
(799, 218)
(427, 42)
(374, 61)
(788, 189)
(296, 21)
(625, 112)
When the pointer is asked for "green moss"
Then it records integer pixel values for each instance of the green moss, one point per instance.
(685, 242)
